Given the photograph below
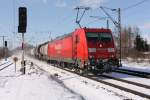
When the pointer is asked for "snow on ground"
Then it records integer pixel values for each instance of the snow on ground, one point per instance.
(130, 86)
(89, 89)
(142, 66)
(35, 85)
(5, 60)
(55, 84)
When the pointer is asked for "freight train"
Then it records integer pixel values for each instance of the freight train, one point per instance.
(85, 49)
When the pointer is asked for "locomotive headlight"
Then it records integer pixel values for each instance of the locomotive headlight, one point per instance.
(97, 60)
(111, 50)
(91, 56)
(112, 56)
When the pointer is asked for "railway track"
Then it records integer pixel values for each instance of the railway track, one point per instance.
(4, 63)
(126, 81)
(132, 72)
(5, 66)
(101, 79)
(98, 79)
(121, 87)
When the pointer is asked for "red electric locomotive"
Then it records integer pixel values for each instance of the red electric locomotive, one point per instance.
(84, 49)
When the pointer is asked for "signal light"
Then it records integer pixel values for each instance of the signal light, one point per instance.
(5, 43)
(22, 20)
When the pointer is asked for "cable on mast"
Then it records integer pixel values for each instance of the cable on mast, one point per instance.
(78, 17)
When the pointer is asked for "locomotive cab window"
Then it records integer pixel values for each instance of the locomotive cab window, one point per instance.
(103, 37)
(92, 36)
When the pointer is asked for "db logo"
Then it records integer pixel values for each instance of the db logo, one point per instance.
(100, 45)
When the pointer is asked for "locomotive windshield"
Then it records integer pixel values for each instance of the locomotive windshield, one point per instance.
(103, 37)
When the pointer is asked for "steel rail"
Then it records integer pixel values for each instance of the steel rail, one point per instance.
(122, 88)
(5, 67)
(4, 63)
(140, 72)
(134, 73)
(126, 81)
(97, 79)
(111, 84)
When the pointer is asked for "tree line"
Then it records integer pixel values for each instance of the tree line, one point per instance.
(141, 44)
(4, 53)
(131, 40)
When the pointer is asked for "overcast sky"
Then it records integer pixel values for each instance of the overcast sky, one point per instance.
(58, 17)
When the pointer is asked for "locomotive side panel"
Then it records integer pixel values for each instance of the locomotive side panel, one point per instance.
(66, 50)
(54, 49)
(61, 49)
(50, 50)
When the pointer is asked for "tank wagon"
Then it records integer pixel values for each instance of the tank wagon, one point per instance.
(85, 49)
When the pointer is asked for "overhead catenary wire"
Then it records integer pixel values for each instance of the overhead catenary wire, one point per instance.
(14, 23)
(126, 8)
(79, 18)
(14, 6)
(134, 5)
(91, 22)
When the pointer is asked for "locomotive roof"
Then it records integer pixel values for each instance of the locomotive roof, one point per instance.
(97, 29)
(86, 29)
(69, 34)
(61, 37)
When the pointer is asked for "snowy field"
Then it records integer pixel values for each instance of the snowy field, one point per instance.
(129, 64)
(35, 85)
(142, 66)
(54, 84)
